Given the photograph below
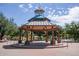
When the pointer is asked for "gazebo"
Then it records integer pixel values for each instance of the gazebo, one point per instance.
(39, 23)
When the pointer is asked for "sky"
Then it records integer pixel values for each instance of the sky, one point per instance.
(58, 13)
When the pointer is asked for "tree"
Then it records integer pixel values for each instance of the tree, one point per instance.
(2, 26)
(7, 26)
(73, 30)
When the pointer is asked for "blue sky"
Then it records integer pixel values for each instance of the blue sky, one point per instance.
(58, 13)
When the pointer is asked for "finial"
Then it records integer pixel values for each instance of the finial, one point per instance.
(39, 6)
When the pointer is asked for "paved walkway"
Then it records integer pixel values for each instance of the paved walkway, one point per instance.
(71, 50)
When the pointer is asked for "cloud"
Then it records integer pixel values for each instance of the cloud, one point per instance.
(73, 15)
(45, 7)
(30, 6)
(74, 12)
(51, 12)
(50, 8)
(24, 9)
(21, 5)
(59, 12)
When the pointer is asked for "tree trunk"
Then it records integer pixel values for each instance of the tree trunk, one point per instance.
(2, 34)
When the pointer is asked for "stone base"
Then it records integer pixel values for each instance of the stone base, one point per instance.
(3, 40)
(27, 42)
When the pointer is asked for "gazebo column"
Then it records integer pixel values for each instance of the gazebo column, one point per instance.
(20, 41)
(31, 37)
(58, 37)
(46, 36)
(53, 40)
(26, 42)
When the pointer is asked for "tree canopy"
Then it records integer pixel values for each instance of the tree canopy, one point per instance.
(7, 26)
(73, 30)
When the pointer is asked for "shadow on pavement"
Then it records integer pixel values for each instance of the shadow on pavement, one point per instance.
(22, 46)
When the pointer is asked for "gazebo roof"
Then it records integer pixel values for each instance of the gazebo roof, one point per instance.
(39, 18)
(39, 22)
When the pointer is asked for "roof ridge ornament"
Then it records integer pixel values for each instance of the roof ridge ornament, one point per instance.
(39, 10)
(39, 7)
(39, 14)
